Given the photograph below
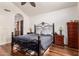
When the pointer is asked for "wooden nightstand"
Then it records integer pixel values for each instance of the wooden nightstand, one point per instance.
(59, 40)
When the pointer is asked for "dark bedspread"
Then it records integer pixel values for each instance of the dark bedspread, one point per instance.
(30, 41)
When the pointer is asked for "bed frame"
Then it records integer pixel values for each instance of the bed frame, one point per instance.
(42, 26)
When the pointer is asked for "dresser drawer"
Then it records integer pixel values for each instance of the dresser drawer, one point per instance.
(59, 40)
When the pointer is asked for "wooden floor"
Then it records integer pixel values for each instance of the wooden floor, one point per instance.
(53, 50)
(5, 50)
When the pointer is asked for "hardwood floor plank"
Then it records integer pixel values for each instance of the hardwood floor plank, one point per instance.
(53, 50)
(62, 51)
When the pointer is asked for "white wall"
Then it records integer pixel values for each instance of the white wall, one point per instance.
(5, 28)
(78, 4)
(59, 17)
(7, 22)
(78, 9)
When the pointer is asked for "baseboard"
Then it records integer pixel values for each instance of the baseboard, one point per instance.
(3, 43)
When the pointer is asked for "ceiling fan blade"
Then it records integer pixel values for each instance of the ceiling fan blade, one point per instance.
(23, 3)
(33, 4)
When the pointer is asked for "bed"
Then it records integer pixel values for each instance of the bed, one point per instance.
(38, 41)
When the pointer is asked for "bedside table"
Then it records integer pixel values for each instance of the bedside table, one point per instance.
(59, 40)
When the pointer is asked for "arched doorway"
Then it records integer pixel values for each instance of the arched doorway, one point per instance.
(18, 24)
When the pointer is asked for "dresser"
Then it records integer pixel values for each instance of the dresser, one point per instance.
(73, 34)
(59, 40)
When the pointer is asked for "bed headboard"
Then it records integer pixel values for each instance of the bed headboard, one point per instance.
(44, 27)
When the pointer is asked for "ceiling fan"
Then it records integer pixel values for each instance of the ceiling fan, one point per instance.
(31, 3)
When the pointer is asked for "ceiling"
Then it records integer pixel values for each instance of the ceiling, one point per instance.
(43, 7)
(8, 6)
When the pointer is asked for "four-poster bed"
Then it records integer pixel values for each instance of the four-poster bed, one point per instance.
(38, 41)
